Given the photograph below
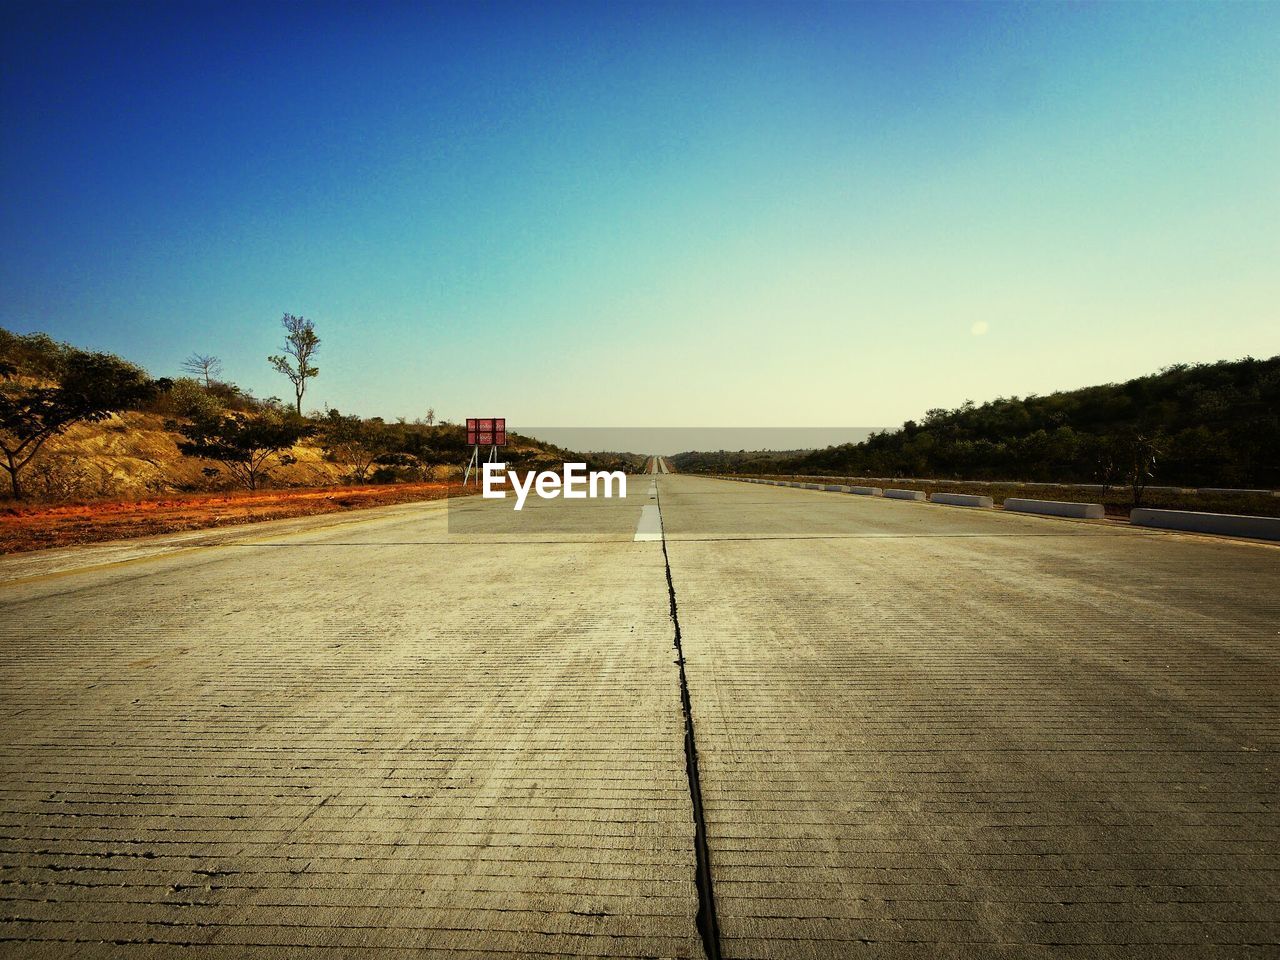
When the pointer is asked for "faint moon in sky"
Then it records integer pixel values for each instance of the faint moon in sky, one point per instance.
(979, 328)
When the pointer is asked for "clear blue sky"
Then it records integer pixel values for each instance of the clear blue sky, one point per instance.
(609, 214)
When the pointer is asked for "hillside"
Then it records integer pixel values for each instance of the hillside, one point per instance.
(133, 451)
(132, 454)
(733, 461)
(1203, 425)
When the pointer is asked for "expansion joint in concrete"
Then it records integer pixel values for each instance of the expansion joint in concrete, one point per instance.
(708, 924)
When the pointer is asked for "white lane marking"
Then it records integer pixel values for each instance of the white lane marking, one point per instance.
(650, 525)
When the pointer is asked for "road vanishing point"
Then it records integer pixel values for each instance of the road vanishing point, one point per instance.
(760, 723)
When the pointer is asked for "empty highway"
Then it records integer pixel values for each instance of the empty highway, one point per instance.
(454, 730)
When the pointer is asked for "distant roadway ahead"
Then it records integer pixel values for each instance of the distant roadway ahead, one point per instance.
(917, 731)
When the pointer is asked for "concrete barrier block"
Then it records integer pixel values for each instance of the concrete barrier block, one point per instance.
(811, 486)
(904, 494)
(865, 491)
(962, 500)
(1231, 490)
(1056, 508)
(834, 487)
(1225, 524)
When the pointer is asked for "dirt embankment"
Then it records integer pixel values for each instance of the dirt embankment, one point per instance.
(36, 527)
(132, 455)
(125, 477)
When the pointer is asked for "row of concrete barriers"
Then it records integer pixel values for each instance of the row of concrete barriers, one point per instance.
(1074, 486)
(1223, 524)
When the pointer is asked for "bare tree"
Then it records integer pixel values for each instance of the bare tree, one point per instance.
(300, 345)
(431, 416)
(204, 366)
(357, 443)
(1143, 452)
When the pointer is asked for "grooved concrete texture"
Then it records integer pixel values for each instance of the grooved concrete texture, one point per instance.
(947, 733)
(368, 740)
(922, 733)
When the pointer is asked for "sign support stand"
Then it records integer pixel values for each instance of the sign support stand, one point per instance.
(474, 463)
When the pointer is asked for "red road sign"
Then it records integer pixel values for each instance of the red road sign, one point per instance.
(488, 432)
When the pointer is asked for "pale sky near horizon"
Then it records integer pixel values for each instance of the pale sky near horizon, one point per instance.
(653, 214)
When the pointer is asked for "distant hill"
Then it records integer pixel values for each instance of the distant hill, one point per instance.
(733, 461)
(1202, 425)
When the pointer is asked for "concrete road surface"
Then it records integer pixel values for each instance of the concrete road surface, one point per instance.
(917, 731)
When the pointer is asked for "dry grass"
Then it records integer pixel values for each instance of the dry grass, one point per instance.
(131, 454)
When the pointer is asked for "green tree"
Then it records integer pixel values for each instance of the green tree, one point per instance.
(188, 398)
(358, 444)
(87, 387)
(300, 345)
(244, 445)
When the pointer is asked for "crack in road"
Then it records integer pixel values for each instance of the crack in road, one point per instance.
(707, 921)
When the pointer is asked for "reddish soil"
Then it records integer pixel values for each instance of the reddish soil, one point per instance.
(35, 527)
